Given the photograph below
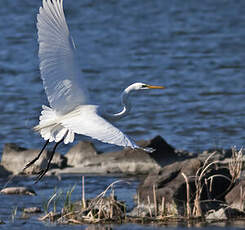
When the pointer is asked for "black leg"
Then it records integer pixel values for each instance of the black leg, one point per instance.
(36, 158)
(43, 171)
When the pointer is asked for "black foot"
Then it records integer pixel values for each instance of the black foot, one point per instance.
(41, 173)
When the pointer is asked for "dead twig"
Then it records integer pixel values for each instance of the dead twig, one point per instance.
(155, 199)
(188, 208)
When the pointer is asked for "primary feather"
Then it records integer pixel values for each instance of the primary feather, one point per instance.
(60, 73)
(69, 113)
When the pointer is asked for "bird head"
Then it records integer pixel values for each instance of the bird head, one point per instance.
(143, 86)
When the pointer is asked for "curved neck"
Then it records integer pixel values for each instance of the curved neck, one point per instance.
(126, 106)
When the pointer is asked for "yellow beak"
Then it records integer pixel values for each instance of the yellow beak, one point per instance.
(156, 87)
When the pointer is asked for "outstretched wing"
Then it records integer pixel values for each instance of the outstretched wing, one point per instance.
(85, 120)
(59, 70)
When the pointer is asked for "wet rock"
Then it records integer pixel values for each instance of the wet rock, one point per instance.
(18, 191)
(126, 161)
(235, 198)
(142, 210)
(164, 153)
(157, 143)
(217, 215)
(129, 161)
(224, 214)
(220, 154)
(170, 184)
(4, 172)
(15, 158)
(31, 210)
(85, 159)
(81, 151)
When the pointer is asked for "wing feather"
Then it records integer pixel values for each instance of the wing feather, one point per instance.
(85, 120)
(58, 66)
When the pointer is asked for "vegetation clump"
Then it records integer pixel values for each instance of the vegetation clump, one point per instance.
(105, 208)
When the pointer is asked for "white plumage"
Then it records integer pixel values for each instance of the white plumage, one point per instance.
(70, 112)
(84, 119)
(65, 87)
(63, 83)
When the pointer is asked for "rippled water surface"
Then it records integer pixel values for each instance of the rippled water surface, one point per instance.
(194, 48)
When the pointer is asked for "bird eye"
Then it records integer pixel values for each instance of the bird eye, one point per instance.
(144, 86)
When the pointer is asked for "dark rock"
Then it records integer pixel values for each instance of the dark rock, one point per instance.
(170, 184)
(168, 181)
(78, 153)
(220, 154)
(217, 187)
(235, 198)
(32, 210)
(138, 161)
(15, 158)
(159, 144)
(164, 153)
(18, 191)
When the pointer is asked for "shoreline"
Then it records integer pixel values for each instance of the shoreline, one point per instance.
(175, 186)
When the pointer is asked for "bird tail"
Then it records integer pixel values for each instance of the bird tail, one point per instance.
(47, 119)
(50, 128)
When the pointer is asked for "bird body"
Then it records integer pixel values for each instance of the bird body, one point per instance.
(57, 127)
(70, 112)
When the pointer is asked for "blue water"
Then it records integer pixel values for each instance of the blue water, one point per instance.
(194, 48)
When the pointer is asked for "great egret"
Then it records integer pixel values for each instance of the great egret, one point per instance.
(69, 111)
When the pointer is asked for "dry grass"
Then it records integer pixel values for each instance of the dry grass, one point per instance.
(242, 199)
(235, 164)
(100, 209)
(235, 168)
(188, 207)
(197, 211)
(105, 208)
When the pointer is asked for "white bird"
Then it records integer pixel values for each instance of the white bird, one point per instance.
(70, 111)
